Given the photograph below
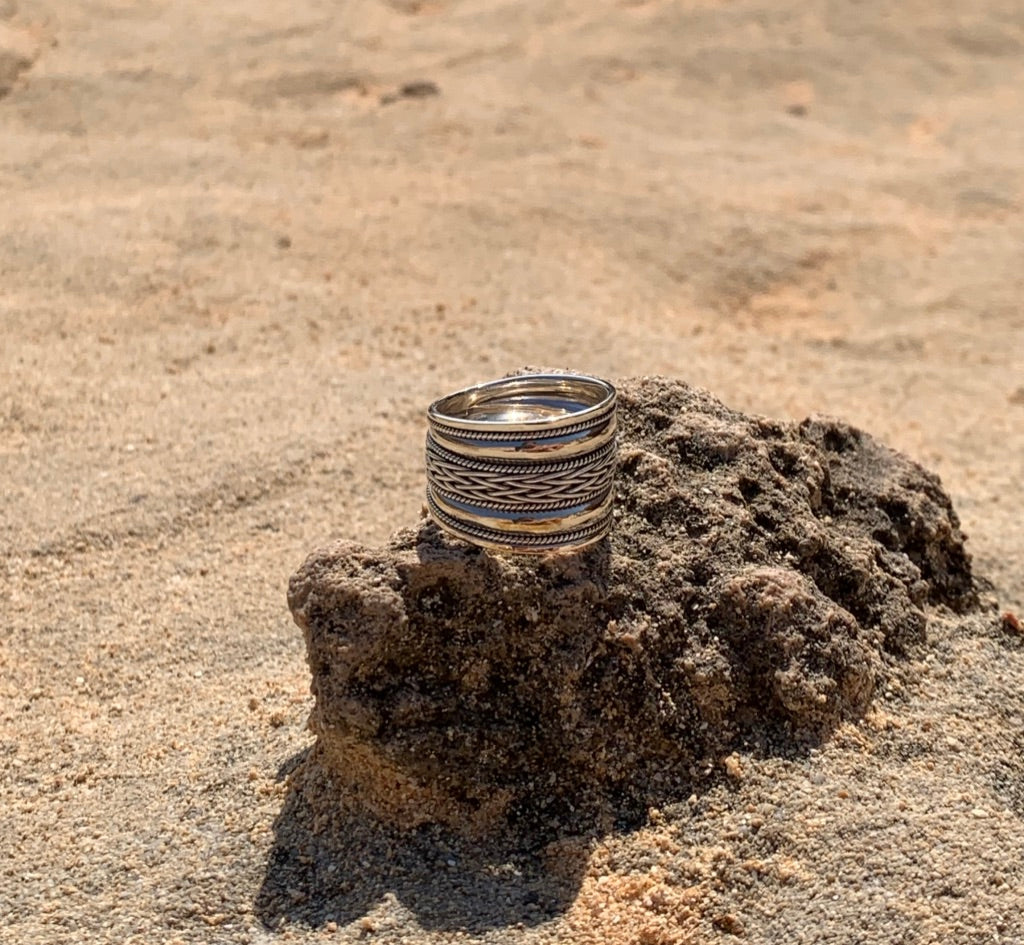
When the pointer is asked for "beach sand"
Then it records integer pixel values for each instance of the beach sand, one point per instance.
(243, 245)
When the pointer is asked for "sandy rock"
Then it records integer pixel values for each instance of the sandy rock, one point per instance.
(760, 576)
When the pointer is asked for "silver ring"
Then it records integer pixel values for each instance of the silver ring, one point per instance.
(524, 464)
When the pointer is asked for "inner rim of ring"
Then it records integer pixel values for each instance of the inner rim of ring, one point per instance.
(530, 399)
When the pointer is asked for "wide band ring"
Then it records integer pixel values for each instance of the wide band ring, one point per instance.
(524, 464)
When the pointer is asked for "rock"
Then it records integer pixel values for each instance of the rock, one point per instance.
(18, 50)
(422, 89)
(759, 578)
(729, 924)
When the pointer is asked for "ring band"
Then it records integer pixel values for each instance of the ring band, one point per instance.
(524, 464)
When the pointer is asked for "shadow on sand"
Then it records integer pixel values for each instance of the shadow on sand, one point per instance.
(339, 867)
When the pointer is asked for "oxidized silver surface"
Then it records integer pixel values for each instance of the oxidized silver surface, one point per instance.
(525, 463)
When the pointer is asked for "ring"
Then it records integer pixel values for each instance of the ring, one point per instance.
(524, 464)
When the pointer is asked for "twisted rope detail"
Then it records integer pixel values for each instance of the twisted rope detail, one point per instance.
(518, 466)
(567, 483)
(524, 507)
(493, 536)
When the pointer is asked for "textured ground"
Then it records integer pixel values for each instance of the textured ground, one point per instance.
(243, 244)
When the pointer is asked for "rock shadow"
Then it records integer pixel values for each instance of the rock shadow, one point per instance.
(334, 861)
(340, 865)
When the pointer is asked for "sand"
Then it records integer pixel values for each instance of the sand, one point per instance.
(242, 246)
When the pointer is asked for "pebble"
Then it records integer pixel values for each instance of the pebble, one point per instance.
(729, 923)
(733, 768)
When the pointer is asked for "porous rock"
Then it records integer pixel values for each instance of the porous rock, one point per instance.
(760, 576)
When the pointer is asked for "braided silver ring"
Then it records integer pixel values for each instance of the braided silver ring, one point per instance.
(524, 464)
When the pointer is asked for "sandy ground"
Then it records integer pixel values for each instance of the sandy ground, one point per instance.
(243, 244)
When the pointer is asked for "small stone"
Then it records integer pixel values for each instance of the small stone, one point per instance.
(423, 89)
(18, 50)
(729, 923)
(311, 138)
(733, 768)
